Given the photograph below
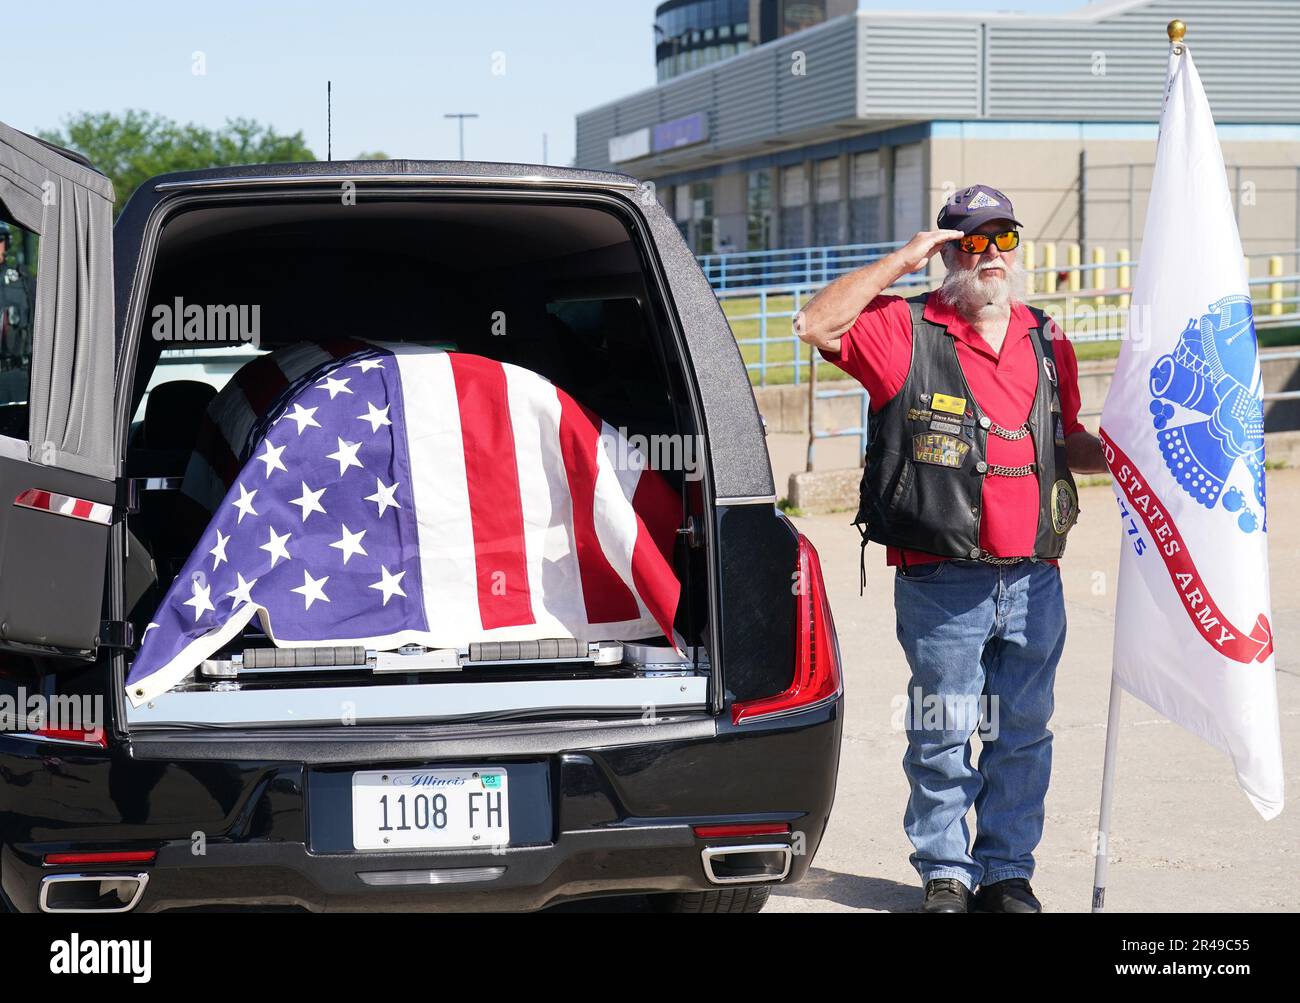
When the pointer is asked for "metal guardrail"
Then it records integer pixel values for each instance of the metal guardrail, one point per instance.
(1089, 300)
(802, 266)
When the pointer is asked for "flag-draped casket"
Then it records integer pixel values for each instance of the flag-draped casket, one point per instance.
(403, 495)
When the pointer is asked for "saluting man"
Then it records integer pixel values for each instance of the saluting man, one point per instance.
(974, 431)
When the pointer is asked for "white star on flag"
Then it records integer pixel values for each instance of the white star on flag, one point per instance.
(272, 458)
(365, 365)
(346, 456)
(335, 387)
(303, 417)
(350, 544)
(390, 585)
(383, 497)
(245, 503)
(375, 416)
(312, 589)
(309, 501)
(275, 547)
(201, 600)
(243, 592)
(218, 552)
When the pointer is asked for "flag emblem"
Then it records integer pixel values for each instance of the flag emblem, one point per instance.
(1213, 376)
(982, 200)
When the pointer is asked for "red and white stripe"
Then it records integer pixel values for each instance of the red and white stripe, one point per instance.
(65, 505)
(527, 529)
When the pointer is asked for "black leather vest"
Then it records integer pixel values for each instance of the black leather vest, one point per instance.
(926, 461)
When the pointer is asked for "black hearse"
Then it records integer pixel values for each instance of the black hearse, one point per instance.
(700, 780)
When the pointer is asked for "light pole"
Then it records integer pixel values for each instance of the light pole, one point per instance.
(461, 116)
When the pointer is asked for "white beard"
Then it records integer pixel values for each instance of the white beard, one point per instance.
(977, 298)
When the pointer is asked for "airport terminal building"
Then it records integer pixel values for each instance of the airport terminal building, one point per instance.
(855, 130)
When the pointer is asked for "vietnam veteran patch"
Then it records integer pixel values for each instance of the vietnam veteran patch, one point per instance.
(937, 448)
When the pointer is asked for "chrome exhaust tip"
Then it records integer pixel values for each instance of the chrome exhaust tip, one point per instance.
(102, 893)
(747, 863)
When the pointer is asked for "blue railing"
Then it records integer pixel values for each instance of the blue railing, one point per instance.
(797, 266)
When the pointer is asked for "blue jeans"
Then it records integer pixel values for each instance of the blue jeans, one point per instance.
(978, 637)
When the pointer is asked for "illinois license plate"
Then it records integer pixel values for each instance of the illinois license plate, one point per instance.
(423, 809)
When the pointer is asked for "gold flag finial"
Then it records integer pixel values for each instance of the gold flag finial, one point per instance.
(1177, 31)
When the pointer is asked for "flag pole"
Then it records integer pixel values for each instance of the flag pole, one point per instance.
(1101, 849)
(1177, 31)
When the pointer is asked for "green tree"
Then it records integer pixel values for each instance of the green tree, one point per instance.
(372, 155)
(132, 147)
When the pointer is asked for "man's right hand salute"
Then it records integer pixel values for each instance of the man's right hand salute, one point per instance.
(833, 310)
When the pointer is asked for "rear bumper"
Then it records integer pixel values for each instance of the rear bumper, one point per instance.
(615, 820)
(643, 859)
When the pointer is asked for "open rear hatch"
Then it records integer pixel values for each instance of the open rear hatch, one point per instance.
(554, 284)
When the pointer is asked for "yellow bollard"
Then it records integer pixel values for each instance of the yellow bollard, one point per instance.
(1030, 260)
(1275, 288)
(1125, 277)
(1099, 275)
(1049, 262)
(1074, 256)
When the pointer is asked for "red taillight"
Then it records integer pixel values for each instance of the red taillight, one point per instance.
(743, 829)
(75, 735)
(816, 652)
(103, 857)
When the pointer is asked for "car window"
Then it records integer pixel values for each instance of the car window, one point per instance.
(19, 268)
(214, 365)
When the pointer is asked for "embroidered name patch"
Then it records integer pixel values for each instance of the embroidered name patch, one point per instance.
(939, 449)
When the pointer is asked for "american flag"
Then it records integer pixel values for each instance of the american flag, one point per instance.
(404, 495)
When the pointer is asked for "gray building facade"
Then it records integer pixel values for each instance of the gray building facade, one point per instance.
(857, 129)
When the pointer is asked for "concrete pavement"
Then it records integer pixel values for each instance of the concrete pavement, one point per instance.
(1184, 837)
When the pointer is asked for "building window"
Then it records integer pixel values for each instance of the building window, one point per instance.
(866, 188)
(909, 210)
(794, 203)
(702, 221)
(697, 33)
(826, 217)
(758, 234)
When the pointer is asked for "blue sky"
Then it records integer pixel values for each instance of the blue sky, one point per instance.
(397, 66)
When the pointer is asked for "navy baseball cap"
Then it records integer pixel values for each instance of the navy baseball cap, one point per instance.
(972, 207)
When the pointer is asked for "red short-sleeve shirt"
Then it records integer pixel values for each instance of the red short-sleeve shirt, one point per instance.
(877, 352)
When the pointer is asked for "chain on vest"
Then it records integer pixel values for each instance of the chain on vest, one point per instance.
(927, 458)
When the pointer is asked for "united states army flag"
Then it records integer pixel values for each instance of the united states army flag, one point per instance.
(1183, 430)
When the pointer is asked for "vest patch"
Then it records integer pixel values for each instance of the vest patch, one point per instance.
(915, 493)
(1065, 507)
(939, 449)
(949, 405)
